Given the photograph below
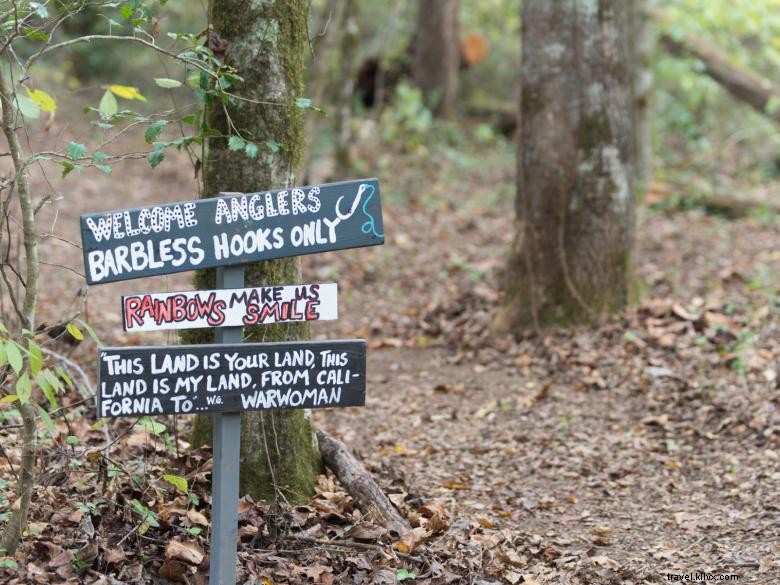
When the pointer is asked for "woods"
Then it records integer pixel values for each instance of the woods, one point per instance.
(368, 292)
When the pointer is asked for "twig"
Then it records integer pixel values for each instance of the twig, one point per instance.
(354, 544)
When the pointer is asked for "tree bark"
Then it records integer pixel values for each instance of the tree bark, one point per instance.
(642, 54)
(742, 83)
(571, 260)
(437, 54)
(265, 42)
(334, 17)
(346, 92)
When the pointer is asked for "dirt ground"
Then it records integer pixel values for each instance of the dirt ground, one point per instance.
(619, 454)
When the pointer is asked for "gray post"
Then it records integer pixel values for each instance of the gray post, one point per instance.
(226, 448)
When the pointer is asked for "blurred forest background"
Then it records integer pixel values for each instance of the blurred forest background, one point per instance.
(613, 451)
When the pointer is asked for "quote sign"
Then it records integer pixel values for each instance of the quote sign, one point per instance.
(230, 229)
(230, 307)
(188, 379)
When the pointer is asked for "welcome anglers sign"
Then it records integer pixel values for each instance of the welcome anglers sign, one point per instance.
(134, 381)
(231, 229)
(230, 307)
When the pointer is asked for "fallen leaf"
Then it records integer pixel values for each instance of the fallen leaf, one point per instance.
(412, 539)
(173, 570)
(604, 561)
(197, 517)
(189, 552)
(366, 532)
(114, 555)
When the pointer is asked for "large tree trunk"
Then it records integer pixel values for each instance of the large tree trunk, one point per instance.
(437, 54)
(265, 41)
(572, 256)
(742, 83)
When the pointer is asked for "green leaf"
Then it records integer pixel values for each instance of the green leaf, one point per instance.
(23, 388)
(150, 426)
(68, 166)
(147, 516)
(47, 422)
(44, 101)
(108, 106)
(178, 482)
(53, 380)
(236, 143)
(8, 563)
(76, 150)
(127, 92)
(90, 332)
(45, 386)
(155, 157)
(154, 130)
(104, 168)
(72, 440)
(14, 356)
(36, 357)
(61, 373)
(27, 107)
(273, 146)
(9, 398)
(167, 83)
(306, 104)
(75, 331)
(98, 423)
(404, 574)
(99, 156)
(251, 150)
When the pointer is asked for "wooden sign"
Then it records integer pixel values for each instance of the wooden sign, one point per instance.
(230, 229)
(187, 379)
(230, 307)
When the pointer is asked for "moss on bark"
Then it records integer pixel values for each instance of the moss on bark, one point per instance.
(266, 40)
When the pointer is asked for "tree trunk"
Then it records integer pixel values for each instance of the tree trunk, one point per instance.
(265, 42)
(571, 260)
(318, 74)
(346, 92)
(742, 83)
(437, 54)
(642, 54)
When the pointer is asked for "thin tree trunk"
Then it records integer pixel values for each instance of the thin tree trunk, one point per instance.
(334, 16)
(346, 94)
(266, 43)
(742, 83)
(572, 256)
(437, 54)
(9, 540)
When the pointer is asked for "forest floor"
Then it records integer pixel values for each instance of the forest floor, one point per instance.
(621, 454)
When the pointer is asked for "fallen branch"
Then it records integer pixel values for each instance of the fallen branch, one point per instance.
(741, 82)
(729, 206)
(359, 483)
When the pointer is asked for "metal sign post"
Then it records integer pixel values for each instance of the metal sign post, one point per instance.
(226, 451)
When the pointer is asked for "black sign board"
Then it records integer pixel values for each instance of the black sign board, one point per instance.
(230, 229)
(182, 379)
